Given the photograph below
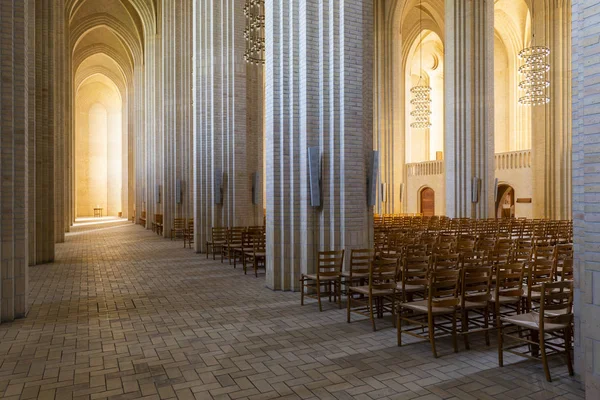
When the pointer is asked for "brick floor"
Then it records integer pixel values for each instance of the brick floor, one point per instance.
(125, 314)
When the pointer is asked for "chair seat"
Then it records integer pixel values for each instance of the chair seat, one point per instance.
(376, 292)
(506, 299)
(469, 305)
(531, 321)
(217, 242)
(321, 278)
(421, 307)
(355, 275)
(411, 288)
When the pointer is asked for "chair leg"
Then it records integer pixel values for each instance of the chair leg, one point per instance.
(255, 267)
(500, 345)
(399, 326)
(319, 295)
(465, 328)
(544, 357)
(339, 292)
(454, 333)
(302, 291)
(371, 312)
(568, 350)
(349, 300)
(431, 327)
(486, 324)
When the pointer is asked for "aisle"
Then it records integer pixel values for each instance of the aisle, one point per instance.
(125, 313)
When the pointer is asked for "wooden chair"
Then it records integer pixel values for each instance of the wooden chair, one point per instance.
(328, 274)
(562, 252)
(256, 256)
(379, 296)
(445, 261)
(217, 241)
(358, 273)
(549, 327)
(506, 298)
(414, 275)
(159, 224)
(188, 235)
(178, 227)
(475, 298)
(442, 302)
(234, 239)
(143, 218)
(540, 271)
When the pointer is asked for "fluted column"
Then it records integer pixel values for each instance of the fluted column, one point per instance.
(221, 137)
(318, 94)
(61, 117)
(551, 125)
(586, 193)
(469, 92)
(44, 232)
(14, 146)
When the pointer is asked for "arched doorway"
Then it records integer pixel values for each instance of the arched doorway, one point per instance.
(427, 202)
(505, 202)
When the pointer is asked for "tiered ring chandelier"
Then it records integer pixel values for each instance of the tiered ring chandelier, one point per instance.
(534, 70)
(254, 10)
(421, 94)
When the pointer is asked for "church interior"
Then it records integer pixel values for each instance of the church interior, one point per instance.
(254, 199)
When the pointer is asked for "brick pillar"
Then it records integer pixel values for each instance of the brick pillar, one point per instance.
(586, 193)
(551, 131)
(469, 93)
(318, 94)
(44, 136)
(222, 142)
(14, 146)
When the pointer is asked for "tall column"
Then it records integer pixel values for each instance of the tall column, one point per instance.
(14, 146)
(318, 94)
(221, 137)
(61, 117)
(551, 127)
(469, 92)
(44, 135)
(586, 192)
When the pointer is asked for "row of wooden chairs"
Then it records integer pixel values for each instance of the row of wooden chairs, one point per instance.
(421, 293)
(244, 244)
(560, 231)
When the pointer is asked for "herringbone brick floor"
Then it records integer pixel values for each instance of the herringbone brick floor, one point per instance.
(123, 314)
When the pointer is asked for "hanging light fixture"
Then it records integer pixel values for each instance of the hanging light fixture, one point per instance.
(421, 93)
(534, 70)
(254, 10)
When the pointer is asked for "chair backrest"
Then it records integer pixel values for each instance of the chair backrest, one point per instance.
(190, 224)
(446, 262)
(360, 261)
(258, 243)
(330, 263)
(416, 250)
(540, 271)
(509, 281)
(179, 223)
(566, 273)
(556, 303)
(443, 289)
(543, 252)
(235, 234)
(383, 274)
(475, 284)
(415, 270)
(219, 234)
(473, 259)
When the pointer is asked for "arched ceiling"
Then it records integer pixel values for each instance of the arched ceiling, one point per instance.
(108, 37)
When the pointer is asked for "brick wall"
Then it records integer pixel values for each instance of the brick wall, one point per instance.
(586, 191)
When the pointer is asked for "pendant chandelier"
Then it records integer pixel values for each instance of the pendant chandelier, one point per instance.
(534, 70)
(254, 10)
(421, 94)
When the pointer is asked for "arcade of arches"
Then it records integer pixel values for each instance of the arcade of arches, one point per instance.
(134, 108)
